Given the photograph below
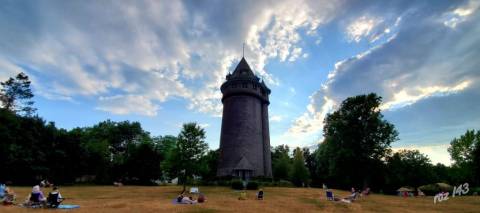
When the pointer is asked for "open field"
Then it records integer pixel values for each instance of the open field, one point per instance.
(222, 199)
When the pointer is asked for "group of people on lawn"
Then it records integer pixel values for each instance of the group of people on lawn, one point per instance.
(35, 199)
(183, 199)
(355, 194)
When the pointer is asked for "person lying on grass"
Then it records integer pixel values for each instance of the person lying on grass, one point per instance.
(186, 200)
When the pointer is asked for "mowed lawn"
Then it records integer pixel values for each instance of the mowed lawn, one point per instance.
(223, 199)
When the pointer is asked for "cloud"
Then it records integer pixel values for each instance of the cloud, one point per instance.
(423, 60)
(362, 27)
(105, 49)
(129, 104)
(8, 70)
(436, 153)
(276, 118)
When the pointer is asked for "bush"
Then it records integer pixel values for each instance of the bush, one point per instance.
(266, 184)
(474, 191)
(283, 183)
(430, 189)
(237, 184)
(433, 189)
(252, 185)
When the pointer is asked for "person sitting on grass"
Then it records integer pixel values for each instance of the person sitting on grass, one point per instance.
(54, 198)
(2, 190)
(36, 198)
(9, 196)
(260, 194)
(366, 192)
(352, 197)
(243, 195)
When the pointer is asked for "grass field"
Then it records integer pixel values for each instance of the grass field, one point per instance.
(222, 199)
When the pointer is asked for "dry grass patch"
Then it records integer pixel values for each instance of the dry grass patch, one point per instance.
(221, 199)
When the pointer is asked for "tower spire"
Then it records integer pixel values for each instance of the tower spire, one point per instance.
(243, 50)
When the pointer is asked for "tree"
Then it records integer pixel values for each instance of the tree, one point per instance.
(143, 163)
(191, 147)
(357, 139)
(16, 95)
(476, 163)
(461, 149)
(299, 173)
(208, 165)
(408, 168)
(311, 164)
(281, 162)
(465, 153)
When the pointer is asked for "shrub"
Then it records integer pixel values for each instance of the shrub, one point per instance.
(433, 189)
(474, 191)
(284, 183)
(237, 184)
(430, 189)
(252, 185)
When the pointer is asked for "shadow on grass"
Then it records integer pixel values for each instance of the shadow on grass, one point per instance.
(203, 210)
(313, 201)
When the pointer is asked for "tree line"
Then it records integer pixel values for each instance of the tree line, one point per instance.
(356, 151)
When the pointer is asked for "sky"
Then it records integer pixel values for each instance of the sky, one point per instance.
(162, 62)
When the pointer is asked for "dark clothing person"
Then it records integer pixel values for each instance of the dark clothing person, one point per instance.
(54, 198)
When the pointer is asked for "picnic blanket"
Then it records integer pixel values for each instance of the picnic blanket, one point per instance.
(68, 206)
(61, 206)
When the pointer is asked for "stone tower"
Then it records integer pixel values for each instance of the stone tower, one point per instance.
(245, 137)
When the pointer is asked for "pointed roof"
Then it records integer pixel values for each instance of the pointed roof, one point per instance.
(243, 70)
(243, 164)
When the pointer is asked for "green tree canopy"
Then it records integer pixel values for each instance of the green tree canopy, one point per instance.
(191, 147)
(16, 95)
(357, 139)
(465, 153)
(408, 168)
(299, 173)
(461, 149)
(281, 162)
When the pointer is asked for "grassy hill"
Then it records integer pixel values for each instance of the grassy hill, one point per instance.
(222, 199)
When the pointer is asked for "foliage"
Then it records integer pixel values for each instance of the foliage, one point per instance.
(16, 95)
(465, 153)
(461, 149)
(208, 165)
(236, 184)
(283, 183)
(299, 173)
(311, 164)
(252, 185)
(190, 149)
(357, 139)
(408, 167)
(433, 189)
(281, 162)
